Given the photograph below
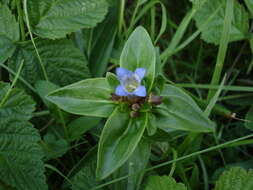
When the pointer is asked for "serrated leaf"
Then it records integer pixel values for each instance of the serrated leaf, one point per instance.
(212, 31)
(19, 106)
(235, 179)
(55, 19)
(163, 183)
(64, 63)
(139, 52)
(21, 163)
(90, 97)
(120, 136)
(9, 33)
(172, 113)
(9, 26)
(7, 48)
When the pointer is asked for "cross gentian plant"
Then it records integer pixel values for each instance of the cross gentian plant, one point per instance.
(131, 93)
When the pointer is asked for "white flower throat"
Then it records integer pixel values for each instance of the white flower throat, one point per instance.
(131, 83)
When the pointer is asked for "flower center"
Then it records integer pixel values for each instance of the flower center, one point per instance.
(131, 83)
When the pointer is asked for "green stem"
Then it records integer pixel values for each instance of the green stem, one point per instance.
(121, 16)
(32, 39)
(41, 113)
(224, 145)
(20, 77)
(12, 85)
(223, 47)
(21, 21)
(153, 15)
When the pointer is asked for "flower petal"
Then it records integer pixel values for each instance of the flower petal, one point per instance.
(120, 91)
(140, 91)
(121, 72)
(140, 72)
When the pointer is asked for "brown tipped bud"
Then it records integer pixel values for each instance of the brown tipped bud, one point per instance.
(156, 100)
(115, 97)
(136, 107)
(134, 114)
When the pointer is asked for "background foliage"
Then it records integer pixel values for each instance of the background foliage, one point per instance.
(201, 55)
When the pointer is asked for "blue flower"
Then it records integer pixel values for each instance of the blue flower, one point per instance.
(130, 82)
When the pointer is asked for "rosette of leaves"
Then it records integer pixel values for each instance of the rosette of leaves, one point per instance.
(129, 117)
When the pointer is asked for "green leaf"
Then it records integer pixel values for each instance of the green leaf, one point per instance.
(235, 179)
(55, 145)
(134, 167)
(9, 33)
(103, 40)
(85, 178)
(9, 26)
(212, 31)
(64, 63)
(44, 88)
(81, 125)
(119, 138)
(152, 124)
(139, 52)
(55, 19)
(179, 111)
(19, 106)
(163, 183)
(249, 4)
(7, 48)
(112, 80)
(137, 163)
(249, 119)
(21, 163)
(90, 97)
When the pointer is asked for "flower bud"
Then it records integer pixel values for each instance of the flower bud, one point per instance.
(135, 107)
(134, 114)
(156, 100)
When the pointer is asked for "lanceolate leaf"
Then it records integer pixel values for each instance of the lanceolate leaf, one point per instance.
(91, 97)
(104, 35)
(179, 111)
(137, 164)
(120, 137)
(64, 63)
(134, 167)
(212, 31)
(21, 163)
(139, 52)
(235, 179)
(55, 19)
(163, 183)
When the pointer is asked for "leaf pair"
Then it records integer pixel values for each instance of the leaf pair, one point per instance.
(122, 133)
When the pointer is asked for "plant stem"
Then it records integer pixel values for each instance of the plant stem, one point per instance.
(6, 96)
(223, 47)
(21, 21)
(224, 145)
